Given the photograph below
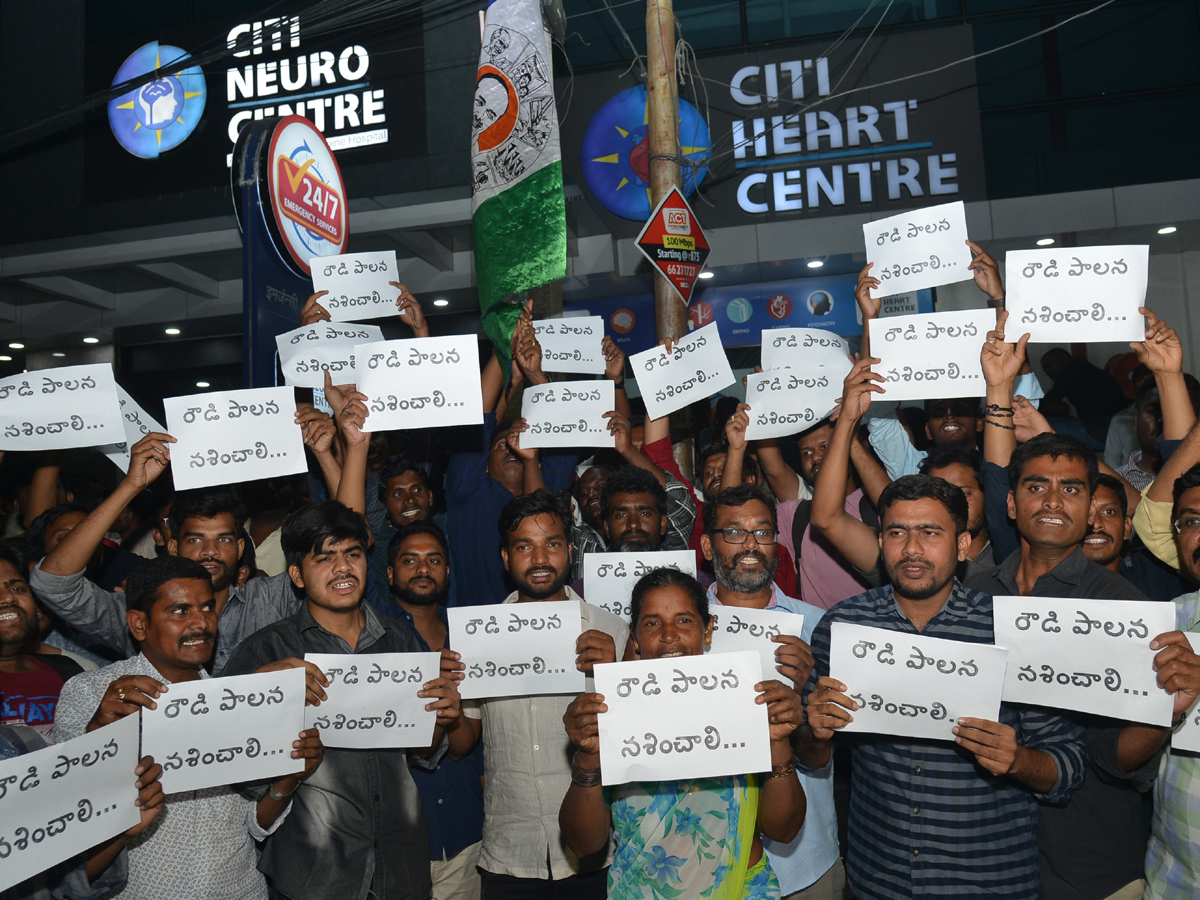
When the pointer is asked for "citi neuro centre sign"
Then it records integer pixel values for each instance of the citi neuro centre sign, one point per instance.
(273, 74)
(797, 141)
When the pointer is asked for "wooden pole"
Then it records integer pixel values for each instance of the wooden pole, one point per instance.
(662, 112)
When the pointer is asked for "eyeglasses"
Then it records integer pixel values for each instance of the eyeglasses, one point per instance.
(739, 535)
(1188, 525)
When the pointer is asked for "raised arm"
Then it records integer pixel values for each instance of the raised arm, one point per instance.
(1162, 354)
(148, 459)
(350, 413)
(869, 307)
(619, 428)
(871, 474)
(409, 311)
(735, 436)
(614, 371)
(857, 542)
(43, 487)
(319, 433)
(1002, 362)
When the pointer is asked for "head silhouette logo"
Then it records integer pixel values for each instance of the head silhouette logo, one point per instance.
(159, 115)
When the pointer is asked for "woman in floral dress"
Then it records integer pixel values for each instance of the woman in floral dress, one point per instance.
(683, 839)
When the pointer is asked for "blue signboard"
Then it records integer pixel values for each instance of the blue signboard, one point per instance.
(743, 312)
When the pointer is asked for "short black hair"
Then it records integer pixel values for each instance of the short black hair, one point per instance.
(36, 533)
(661, 578)
(1117, 486)
(1184, 483)
(927, 487)
(309, 528)
(141, 588)
(206, 504)
(402, 466)
(540, 502)
(633, 480)
(749, 465)
(17, 556)
(942, 457)
(1053, 446)
(1146, 394)
(412, 528)
(736, 496)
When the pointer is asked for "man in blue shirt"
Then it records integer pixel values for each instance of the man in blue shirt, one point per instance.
(930, 818)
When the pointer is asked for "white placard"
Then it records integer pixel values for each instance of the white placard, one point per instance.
(66, 798)
(914, 686)
(218, 731)
(697, 369)
(229, 436)
(684, 717)
(518, 649)
(308, 352)
(57, 409)
(931, 355)
(608, 578)
(357, 284)
(741, 628)
(1187, 737)
(919, 249)
(421, 382)
(137, 422)
(785, 401)
(372, 699)
(1093, 656)
(572, 345)
(568, 414)
(1077, 294)
(799, 348)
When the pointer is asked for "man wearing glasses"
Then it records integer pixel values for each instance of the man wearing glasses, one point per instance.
(740, 531)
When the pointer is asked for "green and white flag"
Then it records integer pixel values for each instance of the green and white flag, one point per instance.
(518, 212)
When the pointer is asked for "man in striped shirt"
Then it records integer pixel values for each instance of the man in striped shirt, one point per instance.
(930, 818)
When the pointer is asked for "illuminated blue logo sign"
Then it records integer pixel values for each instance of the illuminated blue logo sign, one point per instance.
(157, 116)
(616, 153)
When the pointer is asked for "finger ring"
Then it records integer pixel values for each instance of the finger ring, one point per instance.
(121, 694)
(346, 410)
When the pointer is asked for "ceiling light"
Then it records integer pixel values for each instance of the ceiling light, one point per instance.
(172, 331)
(706, 275)
(202, 384)
(1167, 229)
(441, 302)
(91, 340)
(16, 345)
(5, 359)
(816, 263)
(58, 354)
(1045, 242)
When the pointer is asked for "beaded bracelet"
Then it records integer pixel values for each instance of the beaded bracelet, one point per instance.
(998, 425)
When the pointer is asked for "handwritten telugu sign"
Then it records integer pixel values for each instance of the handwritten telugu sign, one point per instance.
(572, 345)
(1093, 656)
(517, 649)
(229, 436)
(56, 409)
(60, 801)
(914, 686)
(137, 423)
(919, 249)
(1187, 736)
(421, 382)
(357, 284)
(568, 414)
(739, 628)
(609, 578)
(931, 355)
(696, 369)
(372, 700)
(785, 401)
(307, 353)
(1079, 294)
(799, 348)
(220, 731)
(685, 717)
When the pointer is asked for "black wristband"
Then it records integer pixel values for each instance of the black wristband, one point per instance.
(619, 385)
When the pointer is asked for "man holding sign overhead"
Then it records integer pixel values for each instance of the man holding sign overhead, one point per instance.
(929, 818)
(204, 845)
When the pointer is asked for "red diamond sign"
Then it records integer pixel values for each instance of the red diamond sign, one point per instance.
(674, 243)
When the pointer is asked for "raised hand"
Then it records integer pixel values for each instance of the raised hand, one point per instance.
(148, 459)
(410, 310)
(1028, 421)
(987, 273)
(858, 387)
(317, 428)
(870, 306)
(313, 311)
(618, 427)
(1162, 351)
(735, 427)
(349, 411)
(1002, 361)
(614, 360)
(513, 439)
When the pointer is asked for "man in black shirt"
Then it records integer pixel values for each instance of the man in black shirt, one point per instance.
(356, 826)
(1094, 845)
